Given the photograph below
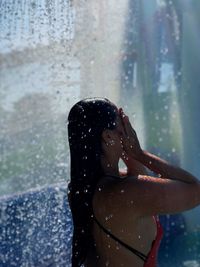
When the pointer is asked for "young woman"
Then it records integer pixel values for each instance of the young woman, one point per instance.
(115, 213)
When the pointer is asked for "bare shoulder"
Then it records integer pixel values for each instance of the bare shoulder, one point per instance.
(109, 200)
(110, 195)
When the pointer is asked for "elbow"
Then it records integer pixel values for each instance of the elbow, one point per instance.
(197, 194)
(194, 200)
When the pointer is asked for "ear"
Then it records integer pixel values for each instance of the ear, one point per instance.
(106, 135)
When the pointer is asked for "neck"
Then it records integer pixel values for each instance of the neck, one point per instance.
(110, 166)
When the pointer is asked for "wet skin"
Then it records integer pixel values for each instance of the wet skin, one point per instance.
(138, 232)
(122, 220)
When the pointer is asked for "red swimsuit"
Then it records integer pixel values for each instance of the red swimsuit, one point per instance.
(152, 256)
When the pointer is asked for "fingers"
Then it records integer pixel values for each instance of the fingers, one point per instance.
(125, 122)
(127, 125)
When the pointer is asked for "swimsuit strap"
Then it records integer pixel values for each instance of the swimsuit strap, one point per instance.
(138, 253)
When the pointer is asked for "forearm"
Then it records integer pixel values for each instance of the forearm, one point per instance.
(135, 167)
(165, 169)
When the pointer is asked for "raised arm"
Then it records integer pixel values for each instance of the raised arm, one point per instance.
(165, 169)
(177, 190)
(147, 195)
(132, 148)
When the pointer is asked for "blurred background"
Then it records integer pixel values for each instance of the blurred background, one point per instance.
(143, 56)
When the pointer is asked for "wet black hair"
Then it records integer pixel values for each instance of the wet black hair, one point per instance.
(87, 120)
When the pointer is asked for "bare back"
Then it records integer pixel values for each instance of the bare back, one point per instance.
(128, 226)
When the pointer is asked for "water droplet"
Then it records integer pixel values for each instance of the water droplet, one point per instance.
(108, 217)
(107, 263)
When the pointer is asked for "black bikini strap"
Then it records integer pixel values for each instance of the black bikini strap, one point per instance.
(138, 253)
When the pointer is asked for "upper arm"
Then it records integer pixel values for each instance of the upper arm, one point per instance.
(151, 195)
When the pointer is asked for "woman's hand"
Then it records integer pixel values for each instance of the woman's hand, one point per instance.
(129, 138)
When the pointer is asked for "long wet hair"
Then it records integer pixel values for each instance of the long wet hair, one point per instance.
(87, 120)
